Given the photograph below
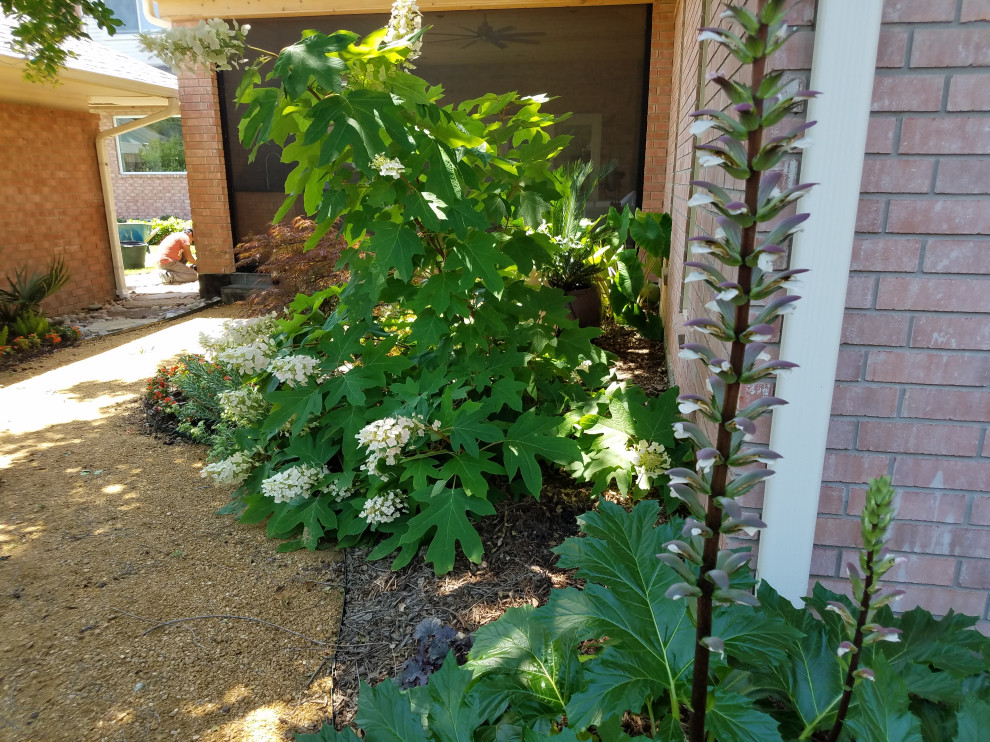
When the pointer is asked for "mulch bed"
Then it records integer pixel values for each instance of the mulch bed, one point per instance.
(382, 608)
(22, 359)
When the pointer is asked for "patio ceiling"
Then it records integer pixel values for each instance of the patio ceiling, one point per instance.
(178, 10)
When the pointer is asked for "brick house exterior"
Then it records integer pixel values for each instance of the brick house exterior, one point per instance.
(205, 168)
(52, 202)
(912, 383)
(54, 212)
(145, 195)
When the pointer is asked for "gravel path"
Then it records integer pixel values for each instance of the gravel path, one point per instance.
(106, 533)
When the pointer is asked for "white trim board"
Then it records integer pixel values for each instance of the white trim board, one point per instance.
(843, 67)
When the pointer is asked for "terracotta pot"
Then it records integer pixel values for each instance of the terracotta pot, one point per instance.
(586, 307)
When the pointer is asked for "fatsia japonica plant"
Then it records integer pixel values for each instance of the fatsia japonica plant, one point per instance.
(667, 638)
(440, 376)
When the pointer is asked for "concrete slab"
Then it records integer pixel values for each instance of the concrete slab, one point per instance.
(107, 326)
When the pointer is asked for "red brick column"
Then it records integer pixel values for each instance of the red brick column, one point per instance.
(205, 171)
(659, 102)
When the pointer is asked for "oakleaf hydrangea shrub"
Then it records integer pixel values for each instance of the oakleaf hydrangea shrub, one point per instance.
(440, 377)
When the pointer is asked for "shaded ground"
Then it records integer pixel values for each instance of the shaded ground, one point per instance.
(384, 607)
(148, 302)
(105, 533)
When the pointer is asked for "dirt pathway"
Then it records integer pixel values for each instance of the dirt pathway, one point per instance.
(105, 533)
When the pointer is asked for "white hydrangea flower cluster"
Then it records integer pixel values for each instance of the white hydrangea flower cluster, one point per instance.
(338, 491)
(406, 19)
(386, 438)
(649, 460)
(233, 470)
(209, 43)
(247, 359)
(243, 407)
(289, 484)
(387, 167)
(294, 370)
(244, 345)
(384, 507)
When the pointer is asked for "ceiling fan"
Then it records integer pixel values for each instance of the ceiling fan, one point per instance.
(485, 33)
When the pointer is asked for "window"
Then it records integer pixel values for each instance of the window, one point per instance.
(131, 14)
(127, 12)
(156, 148)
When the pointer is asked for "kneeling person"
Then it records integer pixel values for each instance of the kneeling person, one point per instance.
(174, 252)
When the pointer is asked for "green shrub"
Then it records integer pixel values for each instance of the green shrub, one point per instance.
(29, 323)
(439, 378)
(26, 290)
(163, 226)
(620, 650)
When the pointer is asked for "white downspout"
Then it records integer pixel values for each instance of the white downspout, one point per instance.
(843, 67)
(104, 164)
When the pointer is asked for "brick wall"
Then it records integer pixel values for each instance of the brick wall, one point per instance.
(51, 202)
(144, 195)
(913, 382)
(912, 397)
(658, 104)
(205, 171)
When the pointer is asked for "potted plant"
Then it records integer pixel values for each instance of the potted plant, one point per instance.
(573, 271)
(578, 265)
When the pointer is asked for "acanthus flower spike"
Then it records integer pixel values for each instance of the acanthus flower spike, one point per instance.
(759, 333)
(678, 565)
(742, 425)
(692, 432)
(731, 561)
(761, 406)
(684, 549)
(754, 456)
(776, 307)
(695, 528)
(761, 372)
(688, 403)
(681, 475)
(706, 459)
(720, 193)
(744, 482)
(709, 272)
(694, 352)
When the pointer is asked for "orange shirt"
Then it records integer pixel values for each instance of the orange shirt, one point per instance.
(174, 247)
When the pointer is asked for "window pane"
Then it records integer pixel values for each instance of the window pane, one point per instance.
(127, 12)
(156, 148)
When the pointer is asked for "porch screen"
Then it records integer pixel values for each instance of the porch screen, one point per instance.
(594, 60)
